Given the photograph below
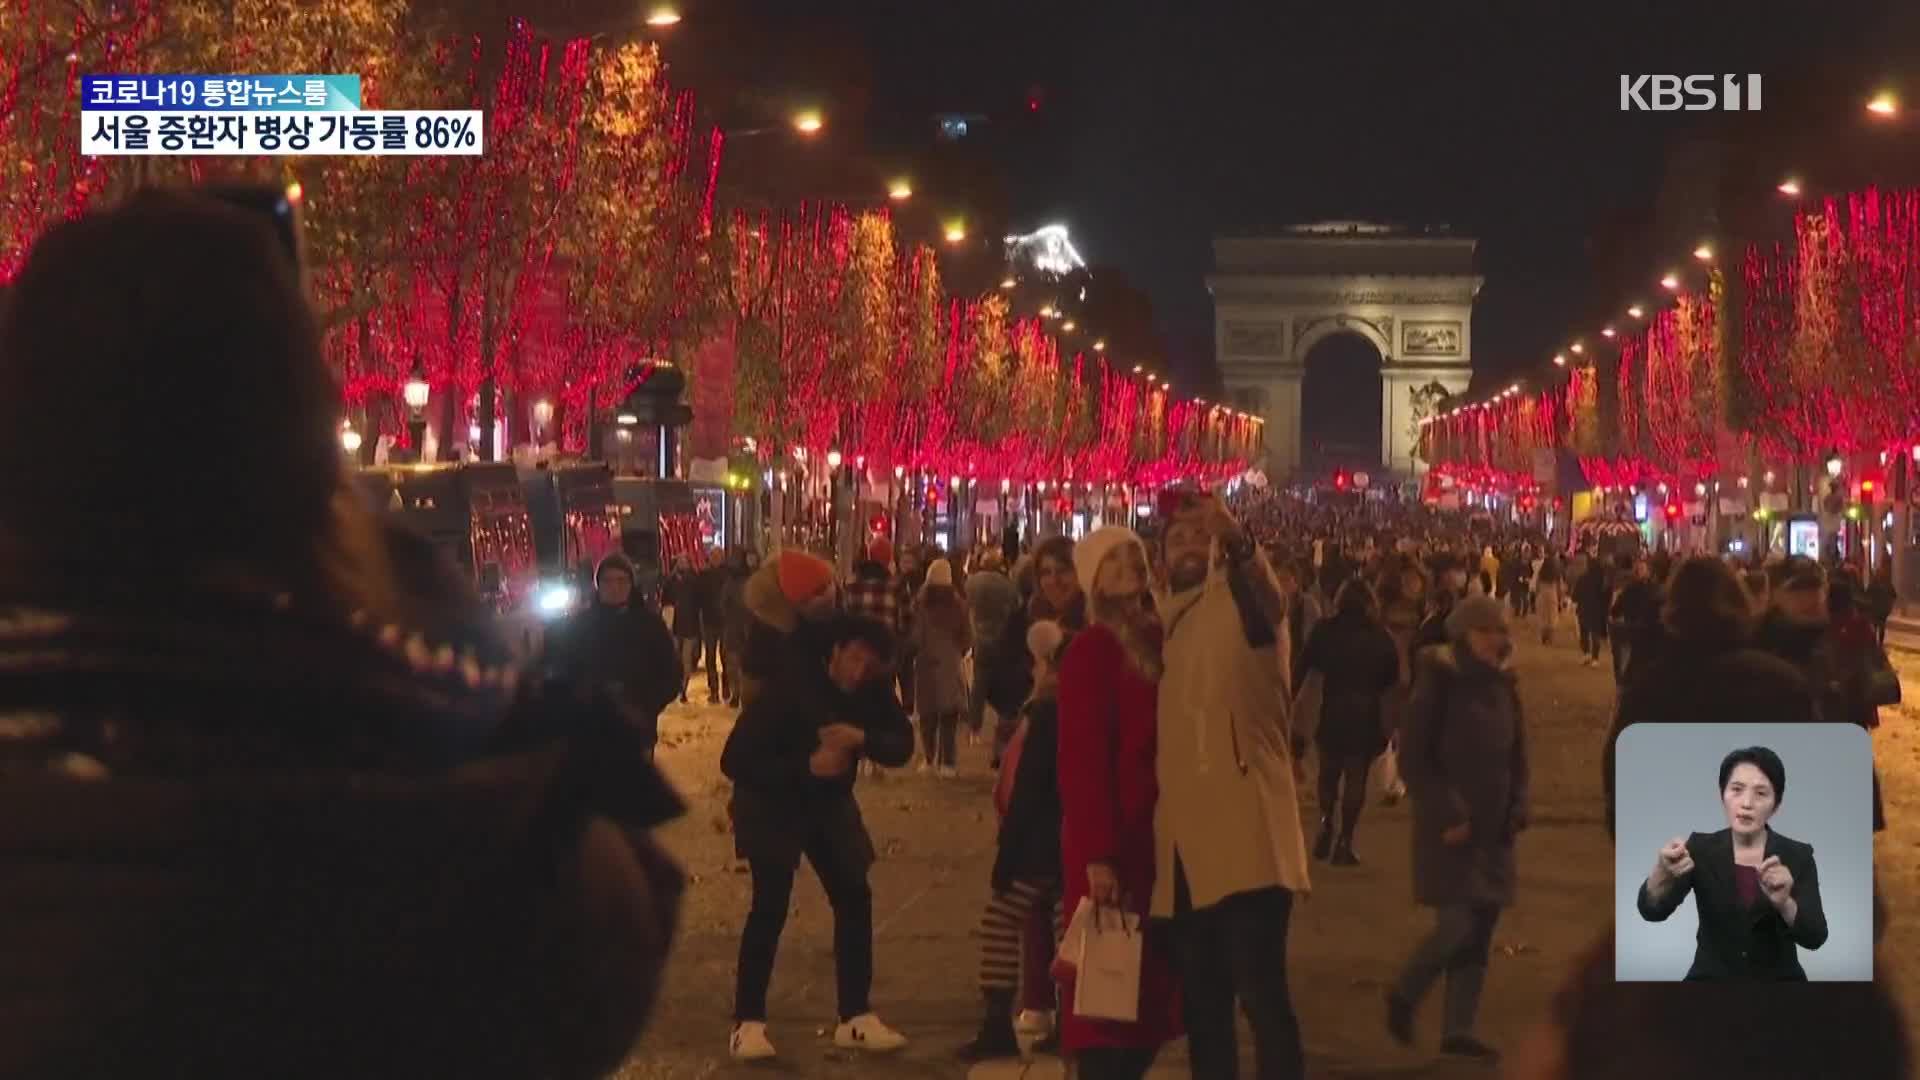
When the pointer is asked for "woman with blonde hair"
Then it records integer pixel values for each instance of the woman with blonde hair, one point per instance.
(1107, 746)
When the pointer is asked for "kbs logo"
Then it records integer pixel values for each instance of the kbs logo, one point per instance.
(1692, 93)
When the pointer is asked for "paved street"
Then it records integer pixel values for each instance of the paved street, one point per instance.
(936, 840)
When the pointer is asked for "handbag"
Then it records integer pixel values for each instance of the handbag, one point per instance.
(1881, 684)
(1106, 984)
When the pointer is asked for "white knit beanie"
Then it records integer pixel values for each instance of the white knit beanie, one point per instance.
(1093, 549)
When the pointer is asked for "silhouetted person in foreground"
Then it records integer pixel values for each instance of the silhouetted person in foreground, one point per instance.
(259, 821)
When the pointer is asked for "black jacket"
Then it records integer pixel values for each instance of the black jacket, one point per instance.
(684, 595)
(309, 850)
(1359, 664)
(625, 651)
(1030, 835)
(1735, 942)
(777, 801)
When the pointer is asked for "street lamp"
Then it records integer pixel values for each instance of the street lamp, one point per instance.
(900, 191)
(416, 393)
(1068, 326)
(1883, 104)
(808, 122)
(1789, 187)
(833, 458)
(349, 438)
(1671, 281)
(1008, 283)
(956, 233)
(1637, 312)
(1835, 465)
(1703, 253)
(1100, 346)
(542, 416)
(663, 16)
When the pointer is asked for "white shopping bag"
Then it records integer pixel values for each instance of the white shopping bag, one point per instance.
(1106, 984)
(1386, 770)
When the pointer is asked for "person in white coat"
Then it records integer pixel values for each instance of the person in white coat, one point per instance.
(1223, 756)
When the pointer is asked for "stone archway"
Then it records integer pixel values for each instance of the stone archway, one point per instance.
(1408, 292)
(1340, 407)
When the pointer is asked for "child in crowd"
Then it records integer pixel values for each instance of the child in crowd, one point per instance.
(1026, 872)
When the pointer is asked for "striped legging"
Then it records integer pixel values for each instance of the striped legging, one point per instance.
(1021, 928)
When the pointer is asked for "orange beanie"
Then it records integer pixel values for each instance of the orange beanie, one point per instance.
(802, 575)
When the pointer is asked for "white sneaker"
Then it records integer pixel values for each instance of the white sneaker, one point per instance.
(948, 772)
(750, 1042)
(866, 1032)
(1033, 1022)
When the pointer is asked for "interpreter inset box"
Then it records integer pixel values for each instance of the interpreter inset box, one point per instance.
(1743, 852)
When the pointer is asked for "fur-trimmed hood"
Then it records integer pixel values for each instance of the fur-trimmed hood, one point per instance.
(766, 603)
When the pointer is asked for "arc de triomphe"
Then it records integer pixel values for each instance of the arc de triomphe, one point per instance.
(1410, 293)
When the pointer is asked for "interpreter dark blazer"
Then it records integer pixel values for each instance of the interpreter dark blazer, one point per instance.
(1749, 943)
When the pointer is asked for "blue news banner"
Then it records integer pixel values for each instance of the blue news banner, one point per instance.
(224, 115)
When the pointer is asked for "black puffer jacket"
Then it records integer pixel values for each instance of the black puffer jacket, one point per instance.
(253, 843)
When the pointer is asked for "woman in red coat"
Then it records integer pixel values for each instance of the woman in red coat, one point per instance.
(1107, 792)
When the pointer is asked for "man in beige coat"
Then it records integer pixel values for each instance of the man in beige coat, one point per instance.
(1230, 855)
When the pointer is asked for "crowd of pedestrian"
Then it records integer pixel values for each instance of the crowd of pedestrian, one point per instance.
(227, 745)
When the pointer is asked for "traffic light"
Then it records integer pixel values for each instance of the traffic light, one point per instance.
(1673, 511)
(1340, 481)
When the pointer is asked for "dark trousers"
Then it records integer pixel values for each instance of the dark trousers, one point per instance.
(1622, 655)
(1236, 949)
(845, 884)
(717, 680)
(1457, 947)
(1334, 768)
(940, 738)
(1591, 635)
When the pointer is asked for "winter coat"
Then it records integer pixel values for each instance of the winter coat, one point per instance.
(1551, 572)
(1463, 754)
(736, 619)
(1694, 682)
(874, 592)
(1853, 647)
(777, 801)
(1012, 683)
(1805, 646)
(1591, 596)
(991, 601)
(941, 637)
(1107, 796)
(710, 593)
(625, 651)
(684, 596)
(1224, 750)
(1030, 833)
(1359, 663)
(251, 842)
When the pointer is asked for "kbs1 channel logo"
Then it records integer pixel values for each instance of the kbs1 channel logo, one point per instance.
(1689, 93)
(250, 115)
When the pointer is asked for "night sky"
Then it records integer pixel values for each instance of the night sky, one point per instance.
(1162, 125)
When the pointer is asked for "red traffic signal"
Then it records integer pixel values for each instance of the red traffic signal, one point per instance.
(1673, 511)
(1340, 481)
